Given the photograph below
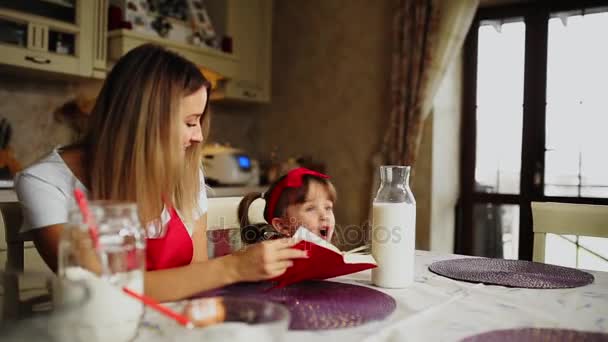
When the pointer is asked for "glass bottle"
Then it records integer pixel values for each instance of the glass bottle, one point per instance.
(394, 229)
(117, 260)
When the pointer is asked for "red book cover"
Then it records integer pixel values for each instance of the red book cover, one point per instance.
(324, 260)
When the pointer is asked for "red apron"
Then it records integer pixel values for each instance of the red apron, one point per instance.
(173, 250)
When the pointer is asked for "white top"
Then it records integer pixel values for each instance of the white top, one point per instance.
(46, 193)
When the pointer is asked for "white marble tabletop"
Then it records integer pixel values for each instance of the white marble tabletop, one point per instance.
(436, 308)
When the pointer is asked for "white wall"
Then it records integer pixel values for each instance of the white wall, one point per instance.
(446, 158)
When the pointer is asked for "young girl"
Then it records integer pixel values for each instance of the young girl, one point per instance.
(144, 146)
(302, 197)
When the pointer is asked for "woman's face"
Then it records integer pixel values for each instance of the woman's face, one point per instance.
(191, 110)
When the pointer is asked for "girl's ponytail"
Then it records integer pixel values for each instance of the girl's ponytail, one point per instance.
(243, 211)
(253, 233)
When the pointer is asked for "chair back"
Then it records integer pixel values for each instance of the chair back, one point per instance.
(12, 218)
(222, 212)
(223, 226)
(566, 219)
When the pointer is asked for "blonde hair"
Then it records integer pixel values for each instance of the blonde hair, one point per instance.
(132, 146)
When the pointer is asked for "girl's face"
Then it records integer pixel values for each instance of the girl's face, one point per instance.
(191, 110)
(316, 213)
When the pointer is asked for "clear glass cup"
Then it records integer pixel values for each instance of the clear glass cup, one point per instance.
(394, 228)
(155, 229)
(238, 319)
(117, 261)
(36, 306)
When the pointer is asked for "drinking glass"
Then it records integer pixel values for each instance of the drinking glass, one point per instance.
(107, 263)
(238, 319)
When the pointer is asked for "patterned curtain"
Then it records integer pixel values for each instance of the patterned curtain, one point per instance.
(427, 34)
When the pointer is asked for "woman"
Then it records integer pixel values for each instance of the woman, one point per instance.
(143, 146)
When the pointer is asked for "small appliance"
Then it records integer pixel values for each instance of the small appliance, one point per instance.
(225, 165)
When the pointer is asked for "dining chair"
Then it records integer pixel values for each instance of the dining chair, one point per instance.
(13, 306)
(223, 226)
(12, 218)
(222, 212)
(566, 219)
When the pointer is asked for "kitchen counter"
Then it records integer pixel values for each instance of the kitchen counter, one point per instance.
(9, 195)
(229, 191)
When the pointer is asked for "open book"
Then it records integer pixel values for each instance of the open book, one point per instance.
(324, 260)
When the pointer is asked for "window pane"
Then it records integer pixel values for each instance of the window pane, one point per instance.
(577, 106)
(560, 250)
(496, 229)
(589, 261)
(500, 74)
(566, 182)
(577, 251)
(597, 245)
(13, 33)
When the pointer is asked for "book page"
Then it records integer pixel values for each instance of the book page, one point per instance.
(365, 249)
(350, 257)
(359, 259)
(303, 234)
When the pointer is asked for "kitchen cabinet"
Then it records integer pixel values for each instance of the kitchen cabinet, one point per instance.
(122, 41)
(249, 24)
(246, 69)
(52, 36)
(70, 37)
(100, 39)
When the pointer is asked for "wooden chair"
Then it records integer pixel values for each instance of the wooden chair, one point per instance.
(13, 305)
(566, 219)
(12, 219)
(223, 227)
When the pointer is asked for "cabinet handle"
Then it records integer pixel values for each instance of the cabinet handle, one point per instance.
(37, 60)
(249, 93)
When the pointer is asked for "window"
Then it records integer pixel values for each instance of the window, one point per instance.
(577, 118)
(535, 125)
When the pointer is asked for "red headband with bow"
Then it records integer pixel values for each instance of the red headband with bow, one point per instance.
(293, 179)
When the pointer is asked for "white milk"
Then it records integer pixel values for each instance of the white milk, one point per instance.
(110, 314)
(393, 244)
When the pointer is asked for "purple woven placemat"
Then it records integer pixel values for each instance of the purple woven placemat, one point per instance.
(537, 334)
(513, 273)
(316, 305)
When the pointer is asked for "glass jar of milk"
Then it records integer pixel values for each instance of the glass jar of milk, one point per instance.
(117, 261)
(394, 229)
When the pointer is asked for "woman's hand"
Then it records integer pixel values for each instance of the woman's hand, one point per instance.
(266, 259)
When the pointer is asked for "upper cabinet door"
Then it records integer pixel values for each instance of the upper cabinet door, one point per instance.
(100, 39)
(63, 11)
(249, 24)
(54, 36)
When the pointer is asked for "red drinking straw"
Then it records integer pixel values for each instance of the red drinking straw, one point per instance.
(87, 216)
(183, 320)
